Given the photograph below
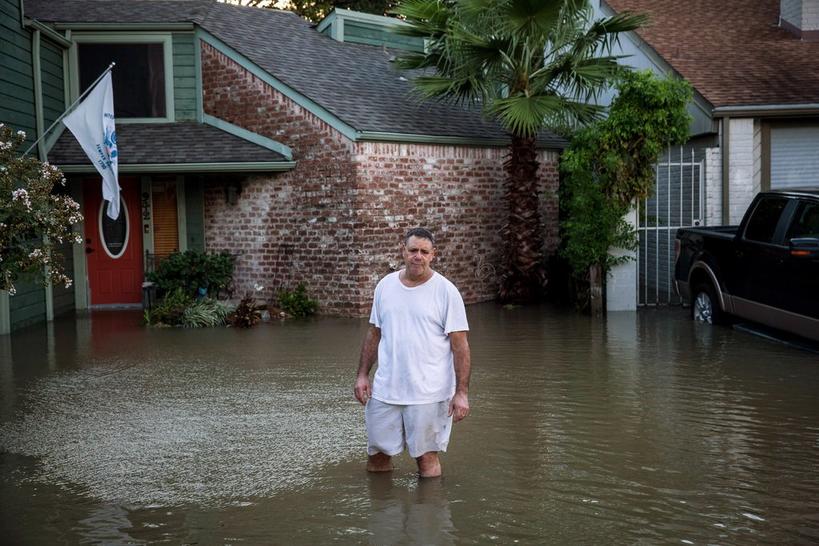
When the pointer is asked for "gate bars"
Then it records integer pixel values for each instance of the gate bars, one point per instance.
(678, 185)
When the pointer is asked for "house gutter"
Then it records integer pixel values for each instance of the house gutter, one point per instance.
(232, 167)
(767, 110)
(378, 136)
(152, 27)
(47, 31)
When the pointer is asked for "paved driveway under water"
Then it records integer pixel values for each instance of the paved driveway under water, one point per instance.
(647, 428)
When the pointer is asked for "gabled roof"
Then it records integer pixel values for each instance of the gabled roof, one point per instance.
(356, 83)
(106, 11)
(732, 51)
(173, 147)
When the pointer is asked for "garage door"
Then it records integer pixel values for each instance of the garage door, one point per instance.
(795, 157)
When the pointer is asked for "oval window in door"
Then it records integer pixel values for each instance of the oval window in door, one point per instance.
(114, 233)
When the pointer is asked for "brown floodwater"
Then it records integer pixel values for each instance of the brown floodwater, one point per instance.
(645, 429)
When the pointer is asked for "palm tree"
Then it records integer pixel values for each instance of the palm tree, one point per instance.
(531, 65)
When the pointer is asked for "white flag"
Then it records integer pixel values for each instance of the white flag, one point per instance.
(92, 123)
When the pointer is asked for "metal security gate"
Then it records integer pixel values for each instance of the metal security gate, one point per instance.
(677, 202)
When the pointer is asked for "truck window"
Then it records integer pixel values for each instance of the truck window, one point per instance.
(762, 225)
(806, 221)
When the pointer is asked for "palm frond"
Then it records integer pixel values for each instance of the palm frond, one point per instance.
(523, 115)
(606, 32)
(581, 78)
(531, 17)
(461, 91)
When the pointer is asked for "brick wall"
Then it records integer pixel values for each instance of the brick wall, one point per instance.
(335, 221)
(291, 227)
(713, 186)
(457, 193)
(743, 168)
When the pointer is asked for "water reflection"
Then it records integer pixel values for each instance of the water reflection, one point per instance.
(418, 514)
(105, 525)
(646, 428)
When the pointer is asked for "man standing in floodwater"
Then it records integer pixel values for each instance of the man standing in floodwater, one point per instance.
(418, 331)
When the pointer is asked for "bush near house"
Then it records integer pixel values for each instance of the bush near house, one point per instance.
(179, 308)
(608, 166)
(192, 270)
(297, 303)
(34, 215)
(246, 315)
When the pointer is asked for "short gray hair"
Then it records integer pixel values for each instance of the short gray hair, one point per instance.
(421, 233)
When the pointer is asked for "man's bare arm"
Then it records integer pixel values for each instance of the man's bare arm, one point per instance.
(459, 407)
(369, 353)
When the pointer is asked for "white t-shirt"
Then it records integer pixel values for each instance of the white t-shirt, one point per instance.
(415, 362)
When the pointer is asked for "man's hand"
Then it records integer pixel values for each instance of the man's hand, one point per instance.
(459, 406)
(363, 390)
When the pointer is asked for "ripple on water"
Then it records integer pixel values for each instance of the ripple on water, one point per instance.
(200, 433)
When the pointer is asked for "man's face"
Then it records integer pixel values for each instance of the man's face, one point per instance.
(418, 254)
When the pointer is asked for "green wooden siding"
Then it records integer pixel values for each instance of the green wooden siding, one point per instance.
(195, 213)
(16, 76)
(28, 306)
(64, 297)
(184, 77)
(373, 34)
(52, 77)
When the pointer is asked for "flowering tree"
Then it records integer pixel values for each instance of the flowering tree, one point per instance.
(33, 218)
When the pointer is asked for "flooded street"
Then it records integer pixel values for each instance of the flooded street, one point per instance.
(646, 429)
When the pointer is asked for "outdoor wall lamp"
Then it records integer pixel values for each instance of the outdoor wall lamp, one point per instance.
(232, 192)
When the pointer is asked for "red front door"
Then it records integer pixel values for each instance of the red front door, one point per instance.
(113, 247)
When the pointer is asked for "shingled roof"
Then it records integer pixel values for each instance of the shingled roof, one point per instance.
(357, 83)
(181, 143)
(732, 51)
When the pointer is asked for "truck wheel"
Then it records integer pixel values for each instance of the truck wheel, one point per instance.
(705, 305)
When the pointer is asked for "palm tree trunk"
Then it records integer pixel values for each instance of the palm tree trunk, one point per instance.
(524, 275)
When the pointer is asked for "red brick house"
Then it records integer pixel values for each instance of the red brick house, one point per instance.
(301, 149)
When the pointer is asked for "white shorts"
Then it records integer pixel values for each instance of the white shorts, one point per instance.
(420, 427)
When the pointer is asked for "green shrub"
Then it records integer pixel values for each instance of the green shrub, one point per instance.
(191, 270)
(205, 313)
(171, 310)
(297, 303)
(246, 315)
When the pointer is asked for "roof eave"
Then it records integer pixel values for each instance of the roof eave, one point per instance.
(232, 167)
(766, 110)
(380, 136)
(123, 26)
(48, 31)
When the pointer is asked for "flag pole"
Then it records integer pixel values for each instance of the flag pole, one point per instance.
(72, 105)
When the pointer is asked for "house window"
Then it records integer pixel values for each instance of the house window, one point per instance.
(138, 77)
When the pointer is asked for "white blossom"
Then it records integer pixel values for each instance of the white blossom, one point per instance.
(21, 134)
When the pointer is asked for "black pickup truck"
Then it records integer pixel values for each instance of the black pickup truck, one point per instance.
(765, 270)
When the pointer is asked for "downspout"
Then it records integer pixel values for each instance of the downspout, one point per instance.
(38, 91)
(726, 159)
(36, 69)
